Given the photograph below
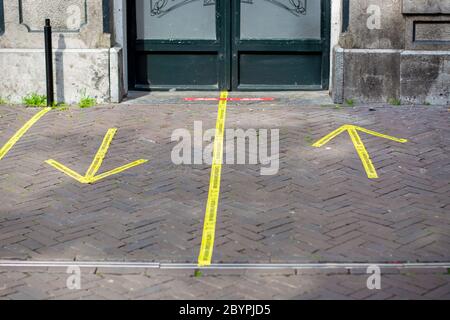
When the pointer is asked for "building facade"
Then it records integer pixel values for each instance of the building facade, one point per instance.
(365, 50)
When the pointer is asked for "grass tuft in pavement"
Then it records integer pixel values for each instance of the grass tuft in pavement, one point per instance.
(395, 102)
(35, 100)
(309, 140)
(3, 101)
(198, 274)
(86, 101)
(350, 102)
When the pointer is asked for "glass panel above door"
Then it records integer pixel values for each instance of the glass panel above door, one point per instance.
(176, 19)
(280, 19)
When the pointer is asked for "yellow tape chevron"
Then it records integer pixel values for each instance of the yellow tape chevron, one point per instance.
(209, 228)
(90, 176)
(16, 137)
(359, 145)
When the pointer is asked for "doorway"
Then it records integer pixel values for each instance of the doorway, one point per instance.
(229, 44)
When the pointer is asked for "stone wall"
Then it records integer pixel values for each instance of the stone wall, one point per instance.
(426, 6)
(403, 55)
(390, 35)
(82, 50)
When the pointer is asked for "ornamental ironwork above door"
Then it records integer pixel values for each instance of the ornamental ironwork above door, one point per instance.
(296, 7)
(162, 7)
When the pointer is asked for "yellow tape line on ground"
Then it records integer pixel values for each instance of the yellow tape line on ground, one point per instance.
(67, 171)
(16, 137)
(363, 154)
(118, 170)
(209, 228)
(330, 137)
(90, 176)
(380, 135)
(101, 154)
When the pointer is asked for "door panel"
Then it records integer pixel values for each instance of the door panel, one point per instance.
(280, 44)
(279, 70)
(282, 19)
(176, 20)
(180, 44)
(192, 69)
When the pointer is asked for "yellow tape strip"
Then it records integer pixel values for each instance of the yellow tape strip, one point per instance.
(16, 137)
(330, 137)
(363, 154)
(377, 134)
(101, 154)
(117, 170)
(209, 228)
(67, 171)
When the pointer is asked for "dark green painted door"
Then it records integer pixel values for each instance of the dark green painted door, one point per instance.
(280, 44)
(229, 44)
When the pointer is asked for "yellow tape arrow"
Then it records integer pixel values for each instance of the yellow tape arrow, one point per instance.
(359, 145)
(90, 176)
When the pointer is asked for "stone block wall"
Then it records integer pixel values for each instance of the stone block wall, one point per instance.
(82, 50)
(404, 54)
(390, 35)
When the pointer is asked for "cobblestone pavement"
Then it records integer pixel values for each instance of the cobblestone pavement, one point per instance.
(320, 207)
(229, 285)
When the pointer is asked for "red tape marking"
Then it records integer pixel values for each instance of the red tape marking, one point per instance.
(229, 99)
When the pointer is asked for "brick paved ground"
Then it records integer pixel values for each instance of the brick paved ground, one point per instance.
(151, 284)
(320, 207)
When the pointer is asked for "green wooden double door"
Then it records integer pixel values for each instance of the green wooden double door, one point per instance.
(229, 44)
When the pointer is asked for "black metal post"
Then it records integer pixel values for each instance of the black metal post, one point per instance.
(49, 62)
